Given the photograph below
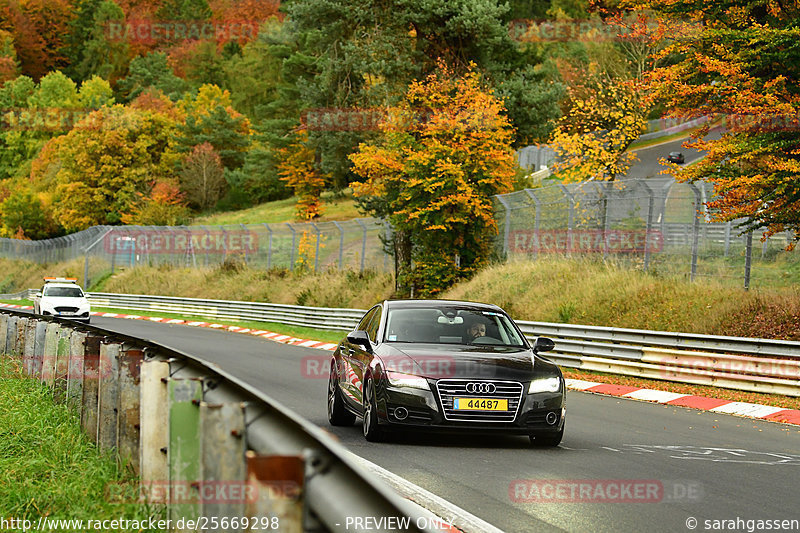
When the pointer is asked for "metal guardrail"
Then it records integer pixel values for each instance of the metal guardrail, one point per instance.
(315, 317)
(185, 426)
(757, 365)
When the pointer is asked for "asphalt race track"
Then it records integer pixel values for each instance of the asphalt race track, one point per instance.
(686, 464)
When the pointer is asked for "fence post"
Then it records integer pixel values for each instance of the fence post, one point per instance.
(183, 453)
(571, 216)
(648, 223)
(316, 249)
(223, 447)
(695, 228)
(291, 257)
(607, 188)
(341, 243)
(363, 242)
(506, 224)
(153, 432)
(748, 254)
(269, 246)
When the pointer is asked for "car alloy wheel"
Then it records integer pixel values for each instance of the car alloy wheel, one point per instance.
(338, 415)
(372, 432)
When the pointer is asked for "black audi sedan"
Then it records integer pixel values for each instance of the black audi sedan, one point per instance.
(437, 365)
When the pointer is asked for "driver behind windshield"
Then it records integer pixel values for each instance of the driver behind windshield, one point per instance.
(476, 328)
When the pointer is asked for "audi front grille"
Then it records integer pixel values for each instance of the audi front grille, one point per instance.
(449, 389)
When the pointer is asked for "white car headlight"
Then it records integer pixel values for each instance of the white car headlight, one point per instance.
(401, 379)
(551, 384)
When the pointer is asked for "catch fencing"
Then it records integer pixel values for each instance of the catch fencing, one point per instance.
(654, 224)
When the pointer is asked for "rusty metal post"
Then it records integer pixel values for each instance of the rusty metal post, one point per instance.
(3, 333)
(153, 431)
(277, 483)
(11, 335)
(62, 364)
(29, 350)
(107, 395)
(19, 344)
(183, 451)
(223, 447)
(38, 349)
(91, 371)
(130, 365)
(49, 355)
(75, 370)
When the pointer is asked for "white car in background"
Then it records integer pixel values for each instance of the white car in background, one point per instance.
(62, 297)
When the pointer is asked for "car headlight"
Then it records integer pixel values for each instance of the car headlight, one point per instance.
(401, 379)
(551, 384)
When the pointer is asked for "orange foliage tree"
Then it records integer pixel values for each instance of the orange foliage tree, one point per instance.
(299, 170)
(738, 61)
(445, 149)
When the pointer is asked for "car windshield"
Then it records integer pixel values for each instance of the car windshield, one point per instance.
(451, 325)
(63, 292)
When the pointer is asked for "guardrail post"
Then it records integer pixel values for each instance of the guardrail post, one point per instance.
(108, 395)
(153, 431)
(91, 374)
(29, 350)
(75, 370)
(62, 364)
(183, 451)
(748, 255)
(4, 333)
(223, 448)
(294, 240)
(36, 365)
(278, 482)
(11, 335)
(128, 407)
(49, 355)
(341, 243)
(19, 343)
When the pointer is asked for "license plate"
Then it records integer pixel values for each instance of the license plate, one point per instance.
(479, 404)
(66, 313)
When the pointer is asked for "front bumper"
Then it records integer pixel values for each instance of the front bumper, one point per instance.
(419, 410)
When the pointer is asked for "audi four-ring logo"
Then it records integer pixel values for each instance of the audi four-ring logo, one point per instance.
(481, 388)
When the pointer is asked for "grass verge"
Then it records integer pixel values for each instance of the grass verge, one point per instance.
(48, 467)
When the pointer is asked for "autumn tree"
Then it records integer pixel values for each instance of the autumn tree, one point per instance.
(23, 214)
(107, 160)
(300, 171)
(444, 151)
(741, 60)
(9, 64)
(203, 176)
(162, 205)
(593, 137)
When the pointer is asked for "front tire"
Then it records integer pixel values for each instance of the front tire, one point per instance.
(338, 415)
(372, 431)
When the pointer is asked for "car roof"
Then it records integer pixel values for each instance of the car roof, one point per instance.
(400, 304)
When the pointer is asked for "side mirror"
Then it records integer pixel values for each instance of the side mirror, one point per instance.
(38, 294)
(543, 344)
(361, 338)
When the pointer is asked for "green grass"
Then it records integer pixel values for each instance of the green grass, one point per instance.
(48, 467)
(334, 208)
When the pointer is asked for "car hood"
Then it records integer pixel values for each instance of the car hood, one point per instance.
(60, 301)
(440, 361)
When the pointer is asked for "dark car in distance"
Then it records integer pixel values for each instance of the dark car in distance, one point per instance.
(676, 157)
(447, 366)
